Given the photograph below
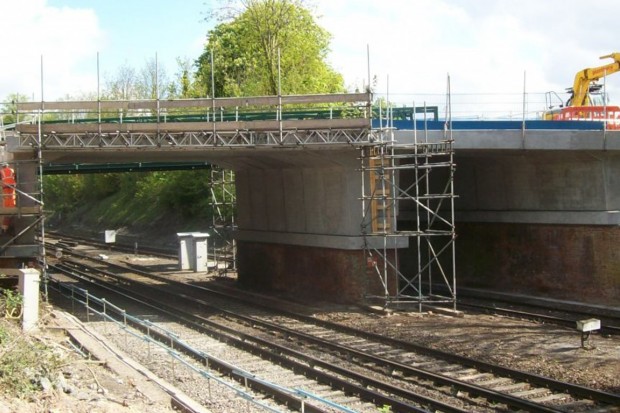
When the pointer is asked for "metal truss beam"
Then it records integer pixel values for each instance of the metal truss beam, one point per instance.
(198, 139)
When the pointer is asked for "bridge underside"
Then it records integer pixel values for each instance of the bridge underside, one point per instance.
(299, 215)
(541, 222)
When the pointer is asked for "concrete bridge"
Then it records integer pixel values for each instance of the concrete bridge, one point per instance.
(343, 208)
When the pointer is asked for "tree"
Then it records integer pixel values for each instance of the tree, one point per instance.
(185, 86)
(246, 50)
(8, 113)
(123, 85)
(153, 82)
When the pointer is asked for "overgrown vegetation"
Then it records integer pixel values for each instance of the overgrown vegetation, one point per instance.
(10, 303)
(23, 361)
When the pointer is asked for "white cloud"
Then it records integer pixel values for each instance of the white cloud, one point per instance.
(485, 45)
(68, 39)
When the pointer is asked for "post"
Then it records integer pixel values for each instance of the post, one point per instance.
(280, 99)
(524, 110)
(586, 327)
(29, 289)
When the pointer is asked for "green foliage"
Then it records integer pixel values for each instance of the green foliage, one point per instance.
(7, 110)
(11, 303)
(5, 335)
(63, 192)
(23, 361)
(126, 199)
(246, 52)
(186, 193)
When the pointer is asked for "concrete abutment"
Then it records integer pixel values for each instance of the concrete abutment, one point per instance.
(545, 223)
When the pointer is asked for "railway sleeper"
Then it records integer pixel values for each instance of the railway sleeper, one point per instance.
(552, 397)
(495, 381)
(582, 404)
(532, 392)
(476, 377)
(512, 388)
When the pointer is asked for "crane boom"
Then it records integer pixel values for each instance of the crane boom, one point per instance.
(583, 79)
(584, 103)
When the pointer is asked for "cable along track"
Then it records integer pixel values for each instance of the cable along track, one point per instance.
(398, 365)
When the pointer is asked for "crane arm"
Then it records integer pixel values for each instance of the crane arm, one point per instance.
(581, 85)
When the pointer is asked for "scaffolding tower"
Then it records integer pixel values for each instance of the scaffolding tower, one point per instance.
(417, 177)
(223, 225)
(22, 233)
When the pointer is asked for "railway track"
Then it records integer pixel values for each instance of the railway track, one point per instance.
(409, 374)
(523, 307)
(564, 313)
(67, 241)
(205, 333)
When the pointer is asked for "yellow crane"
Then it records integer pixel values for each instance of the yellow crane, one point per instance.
(586, 101)
(587, 77)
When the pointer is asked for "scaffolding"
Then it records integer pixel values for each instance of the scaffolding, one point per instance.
(223, 210)
(21, 211)
(418, 178)
(22, 235)
(398, 178)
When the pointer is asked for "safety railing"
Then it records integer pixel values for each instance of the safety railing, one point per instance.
(609, 115)
(132, 326)
(260, 108)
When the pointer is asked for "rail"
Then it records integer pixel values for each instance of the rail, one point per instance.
(160, 337)
(278, 354)
(408, 370)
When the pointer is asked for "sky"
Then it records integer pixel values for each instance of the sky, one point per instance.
(492, 50)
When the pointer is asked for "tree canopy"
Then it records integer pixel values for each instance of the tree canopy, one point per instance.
(245, 53)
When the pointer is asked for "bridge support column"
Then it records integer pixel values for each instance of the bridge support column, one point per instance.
(309, 273)
(300, 228)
